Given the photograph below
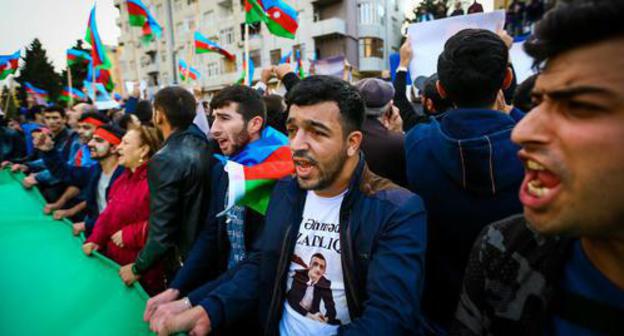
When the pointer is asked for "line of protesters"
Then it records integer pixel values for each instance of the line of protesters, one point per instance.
(449, 212)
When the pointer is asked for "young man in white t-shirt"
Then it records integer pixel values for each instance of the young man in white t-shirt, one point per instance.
(342, 251)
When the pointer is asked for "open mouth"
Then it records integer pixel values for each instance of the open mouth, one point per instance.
(303, 167)
(540, 186)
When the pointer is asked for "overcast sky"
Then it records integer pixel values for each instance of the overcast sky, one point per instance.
(57, 23)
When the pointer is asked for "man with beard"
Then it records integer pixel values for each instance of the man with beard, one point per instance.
(95, 180)
(85, 127)
(558, 269)
(370, 231)
(239, 129)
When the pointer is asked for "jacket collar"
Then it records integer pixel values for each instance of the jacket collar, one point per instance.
(192, 130)
(295, 193)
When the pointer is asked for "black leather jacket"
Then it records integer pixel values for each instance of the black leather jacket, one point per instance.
(179, 180)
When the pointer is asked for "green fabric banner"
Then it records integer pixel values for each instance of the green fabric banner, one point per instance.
(47, 285)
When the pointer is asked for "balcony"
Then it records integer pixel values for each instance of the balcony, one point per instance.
(371, 64)
(327, 27)
(150, 68)
(371, 30)
(325, 2)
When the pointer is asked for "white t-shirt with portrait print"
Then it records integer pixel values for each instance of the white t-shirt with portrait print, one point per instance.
(316, 302)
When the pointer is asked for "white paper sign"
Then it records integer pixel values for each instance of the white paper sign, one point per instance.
(428, 38)
(522, 62)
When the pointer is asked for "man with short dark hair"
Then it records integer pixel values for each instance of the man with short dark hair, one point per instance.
(463, 164)
(370, 232)
(559, 268)
(179, 181)
(94, 180)
(66, 141)
(239, 130)
(81, 157)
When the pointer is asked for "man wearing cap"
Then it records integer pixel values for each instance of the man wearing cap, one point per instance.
(383, 141)
(95, 180)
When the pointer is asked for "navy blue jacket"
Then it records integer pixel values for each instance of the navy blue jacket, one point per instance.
(208, 258)
(383, 237)
(85, 178)
(466, 169)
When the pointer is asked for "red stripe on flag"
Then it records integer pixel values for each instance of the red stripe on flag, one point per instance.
(283, 19)
(278, 165)
(133, 9)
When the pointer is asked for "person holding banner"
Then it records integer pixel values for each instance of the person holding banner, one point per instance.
(94, 181)
(179, 180)
(121, 229)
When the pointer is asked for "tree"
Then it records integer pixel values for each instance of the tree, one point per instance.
(79, 70)
(39, 71)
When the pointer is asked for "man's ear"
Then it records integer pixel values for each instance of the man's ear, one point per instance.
(441, 90)
(354, 141)
(255, 125)
(508, 78)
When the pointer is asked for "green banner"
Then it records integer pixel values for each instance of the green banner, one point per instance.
(47, 285)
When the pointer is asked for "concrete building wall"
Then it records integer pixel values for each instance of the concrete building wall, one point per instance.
(329, 27)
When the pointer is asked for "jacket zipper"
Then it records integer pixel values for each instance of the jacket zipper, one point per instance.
(347, 261)
(278, 279)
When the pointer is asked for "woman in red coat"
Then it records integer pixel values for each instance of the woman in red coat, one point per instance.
(121, 229)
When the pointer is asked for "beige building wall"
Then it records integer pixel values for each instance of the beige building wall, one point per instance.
(326, 28)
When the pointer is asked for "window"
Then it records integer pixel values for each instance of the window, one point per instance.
(371, 47)
(212, 69)
(366, 13)
(190, 23)
(177, 5)
(208, 19)
(301, 49)
(226, 36)
(276, 55)
(229, 66)
(372, 12)
(256, 57)
(255, 30)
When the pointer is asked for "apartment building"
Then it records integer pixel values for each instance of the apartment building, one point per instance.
(365, 32)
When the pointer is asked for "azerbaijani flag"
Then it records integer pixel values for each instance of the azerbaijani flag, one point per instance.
(35, 91)
(98, 52)
(140, 16)
(280, 18)
(300, 71)
(77, 56)
(74, 93)
(286, 58)
(102, 76)
(8, 64)
(204, 45)
(183, 69)
(252, 69)
(253, 172)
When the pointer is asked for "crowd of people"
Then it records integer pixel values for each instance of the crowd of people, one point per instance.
(467, 205)
(521, 15)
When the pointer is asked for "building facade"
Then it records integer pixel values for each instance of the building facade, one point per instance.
(365, 32)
